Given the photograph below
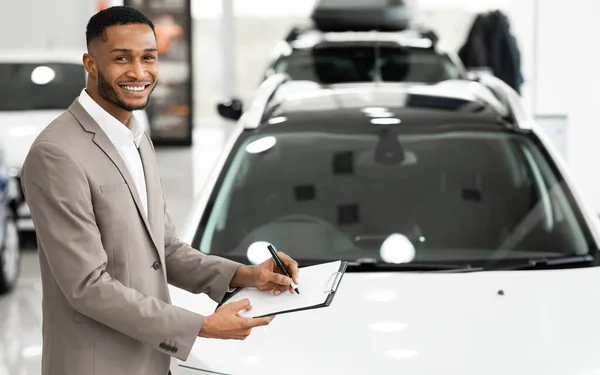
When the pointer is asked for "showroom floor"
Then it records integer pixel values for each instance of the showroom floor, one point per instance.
(20, 311)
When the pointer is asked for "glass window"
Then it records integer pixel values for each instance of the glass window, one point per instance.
(329, 65)
(39, 86)
(439, 197)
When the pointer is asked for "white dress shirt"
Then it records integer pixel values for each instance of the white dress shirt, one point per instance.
(125, 140)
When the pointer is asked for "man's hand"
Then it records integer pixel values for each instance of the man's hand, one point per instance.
(267, 276)
(227, 324)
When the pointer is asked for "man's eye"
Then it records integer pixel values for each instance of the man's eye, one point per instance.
(150, 57)
(121, 58)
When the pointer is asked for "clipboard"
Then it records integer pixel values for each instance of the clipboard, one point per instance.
(321, 290)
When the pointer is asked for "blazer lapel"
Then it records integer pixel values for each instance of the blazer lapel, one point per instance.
(101, 140)
(156, 210)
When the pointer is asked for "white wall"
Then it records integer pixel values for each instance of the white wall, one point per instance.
(578, 60)
(44, 24)
(554, 65)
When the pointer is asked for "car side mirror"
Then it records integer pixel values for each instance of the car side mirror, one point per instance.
(230, 108)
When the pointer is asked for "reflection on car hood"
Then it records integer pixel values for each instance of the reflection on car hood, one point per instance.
(20, 129)
(520, 322)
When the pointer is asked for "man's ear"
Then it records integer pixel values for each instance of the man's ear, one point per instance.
(89, 64)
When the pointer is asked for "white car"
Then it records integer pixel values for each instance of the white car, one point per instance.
(470, 250)
(37, 86)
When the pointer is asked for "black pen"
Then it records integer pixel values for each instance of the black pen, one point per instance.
(281, 266)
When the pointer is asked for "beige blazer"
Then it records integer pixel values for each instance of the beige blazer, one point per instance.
(104, 265)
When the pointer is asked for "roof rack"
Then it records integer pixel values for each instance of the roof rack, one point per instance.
(517, 113)
(416, 34)
(358, 15)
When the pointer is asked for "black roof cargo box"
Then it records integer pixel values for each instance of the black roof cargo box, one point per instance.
(361, 15)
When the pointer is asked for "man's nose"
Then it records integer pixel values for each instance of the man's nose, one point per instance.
(137, 71)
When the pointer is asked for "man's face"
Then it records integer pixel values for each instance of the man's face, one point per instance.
(125, 65)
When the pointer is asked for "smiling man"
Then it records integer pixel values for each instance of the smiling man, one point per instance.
(122, 61)
(107, 246)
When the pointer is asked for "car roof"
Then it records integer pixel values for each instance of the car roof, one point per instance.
(42, 56)
(298, 103)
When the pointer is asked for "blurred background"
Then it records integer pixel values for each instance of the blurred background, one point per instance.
(217, 49)
(232, 42)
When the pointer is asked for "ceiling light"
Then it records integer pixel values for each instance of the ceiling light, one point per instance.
(385, 121)
(277, 120)
(397, 249)
(261, 145)
(257, 252)
(42, 75)
(371, 110)
(380, 114)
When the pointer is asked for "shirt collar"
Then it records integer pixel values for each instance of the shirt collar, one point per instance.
(115, 130)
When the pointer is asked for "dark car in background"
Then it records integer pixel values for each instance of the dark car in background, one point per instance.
(358, 56)
(353, 43)
(10, 245)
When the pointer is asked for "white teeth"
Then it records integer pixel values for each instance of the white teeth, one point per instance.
(134, 88)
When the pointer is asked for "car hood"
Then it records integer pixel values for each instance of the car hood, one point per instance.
(511, 322)
(20, 129)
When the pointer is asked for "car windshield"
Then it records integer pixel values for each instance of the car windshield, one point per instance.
(451, 197)
(330, 65)
(39, 86)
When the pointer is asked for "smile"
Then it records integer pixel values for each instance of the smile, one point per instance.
(134, 88)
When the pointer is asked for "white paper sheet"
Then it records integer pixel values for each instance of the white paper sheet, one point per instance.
(314, 283)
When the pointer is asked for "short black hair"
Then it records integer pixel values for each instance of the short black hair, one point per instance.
(116, 15)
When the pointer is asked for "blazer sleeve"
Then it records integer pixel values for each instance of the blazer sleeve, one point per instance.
(60, 200)
(192, 270)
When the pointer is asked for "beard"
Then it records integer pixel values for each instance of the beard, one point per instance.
(110, 94)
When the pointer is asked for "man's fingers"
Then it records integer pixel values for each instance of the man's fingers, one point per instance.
(279, 279)
(273, 287)
(285, 288)
(243, 304)
(267, 277)
(281, 289)
(257, 322)
(291, 265)
(264, 321)
(246, 333)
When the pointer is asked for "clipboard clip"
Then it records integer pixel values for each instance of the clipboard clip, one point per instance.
(333, 282)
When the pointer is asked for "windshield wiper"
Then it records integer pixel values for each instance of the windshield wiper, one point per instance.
(542, 263)
(368, 265)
